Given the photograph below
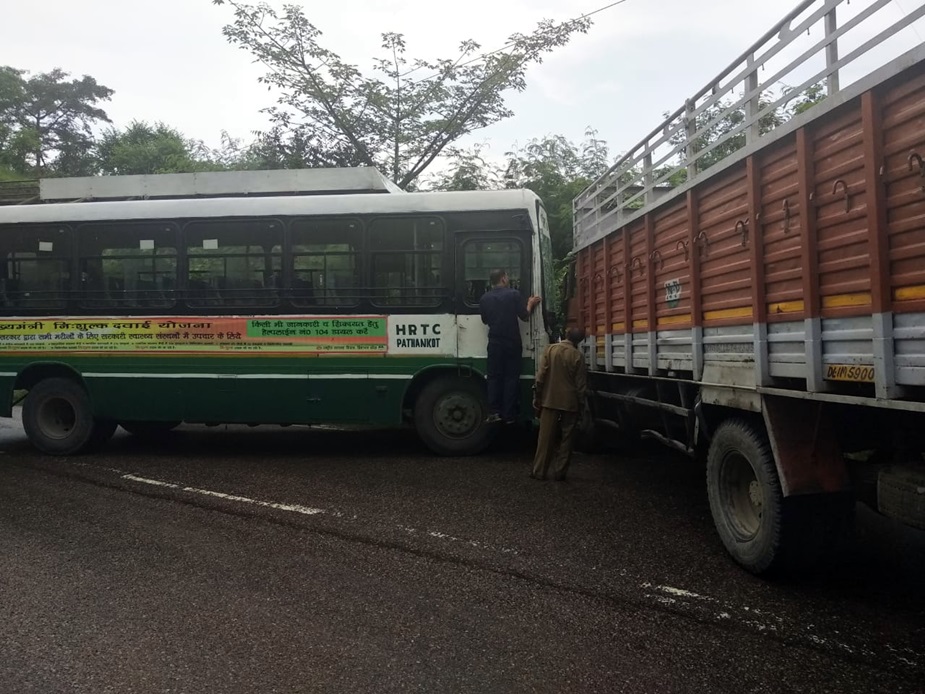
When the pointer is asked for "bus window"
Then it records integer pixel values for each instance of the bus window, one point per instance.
(481, 256)
(406, 258)
(36, 272)
(325, 262)
(127, 265)
(233, 263)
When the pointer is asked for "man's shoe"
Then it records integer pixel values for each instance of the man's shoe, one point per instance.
(493, 419)
(510, 421)
(537, 477)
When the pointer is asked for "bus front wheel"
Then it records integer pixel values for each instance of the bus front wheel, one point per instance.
(58, 418)
(449, 416)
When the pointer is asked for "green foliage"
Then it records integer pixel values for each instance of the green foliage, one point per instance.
(719, 125)
(296, 147)
(468, 170)
(557, 170)
(15, 143)
(46, 122)
(149, 149)
(9, 175)
(805, 100)
(553, 167)
(394, 120)
(719, 120)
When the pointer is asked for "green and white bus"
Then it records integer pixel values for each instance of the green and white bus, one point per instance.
(273, 308)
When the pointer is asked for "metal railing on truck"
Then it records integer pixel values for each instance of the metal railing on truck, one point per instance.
(848, 40)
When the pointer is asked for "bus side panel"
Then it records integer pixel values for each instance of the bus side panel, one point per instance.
(6, 394)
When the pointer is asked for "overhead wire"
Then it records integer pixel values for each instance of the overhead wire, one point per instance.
(906, 14)
(586, 15)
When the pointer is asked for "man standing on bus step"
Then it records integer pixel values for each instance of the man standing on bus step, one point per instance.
(558, 397)
(500, 309)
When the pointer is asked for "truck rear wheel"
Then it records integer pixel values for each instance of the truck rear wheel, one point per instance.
(745, 495)
(764, 531)
(58, 418)
(449, 416)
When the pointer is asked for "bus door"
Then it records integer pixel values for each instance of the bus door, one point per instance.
(477, 254)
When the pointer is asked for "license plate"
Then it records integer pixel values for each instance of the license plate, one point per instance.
(858, 373)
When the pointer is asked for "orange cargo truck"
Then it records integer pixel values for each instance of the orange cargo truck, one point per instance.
(751, 277)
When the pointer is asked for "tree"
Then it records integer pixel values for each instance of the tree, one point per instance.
(15, 143)
(150, 149)
(553, 167)
(805, 100)
(298, 147)
(557, 170)
(719, 124)
(468, 170)
(47, 121)
(394, 120)
(720, 119)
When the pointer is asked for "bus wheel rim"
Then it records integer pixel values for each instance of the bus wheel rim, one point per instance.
(56, 418)
(457, 415)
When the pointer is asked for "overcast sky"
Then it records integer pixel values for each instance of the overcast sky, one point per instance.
(167, 59)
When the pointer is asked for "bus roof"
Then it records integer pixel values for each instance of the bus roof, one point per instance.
(287, 206)
(213, 184)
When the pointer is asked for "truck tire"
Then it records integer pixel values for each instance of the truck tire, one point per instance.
(449, 416)
(148, 429)
(745, 496)
(58, 418)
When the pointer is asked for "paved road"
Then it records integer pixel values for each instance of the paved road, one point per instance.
(294, 560)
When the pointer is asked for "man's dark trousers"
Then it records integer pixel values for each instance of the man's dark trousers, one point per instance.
(504, 359)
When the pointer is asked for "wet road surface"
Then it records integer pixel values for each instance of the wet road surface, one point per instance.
(303, 560)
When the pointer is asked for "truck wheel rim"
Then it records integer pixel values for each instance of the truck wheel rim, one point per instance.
(56, 418)
(743, 496)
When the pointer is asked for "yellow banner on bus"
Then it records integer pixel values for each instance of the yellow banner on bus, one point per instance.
(193, 334)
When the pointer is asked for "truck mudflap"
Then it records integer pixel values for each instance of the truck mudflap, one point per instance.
(805, 446)
(901, 494)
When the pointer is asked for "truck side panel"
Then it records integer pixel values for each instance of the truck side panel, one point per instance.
(803, 262)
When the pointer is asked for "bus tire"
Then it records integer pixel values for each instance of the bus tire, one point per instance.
(58, 418)
(745, 496)
(449, 416)
(148, 429)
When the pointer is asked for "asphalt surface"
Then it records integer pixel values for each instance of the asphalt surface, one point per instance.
(306, 560)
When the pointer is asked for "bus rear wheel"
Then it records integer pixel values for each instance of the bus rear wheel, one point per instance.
(58, 418)
(449, 416)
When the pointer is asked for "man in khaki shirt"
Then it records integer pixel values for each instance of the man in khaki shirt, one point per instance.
(558, 397)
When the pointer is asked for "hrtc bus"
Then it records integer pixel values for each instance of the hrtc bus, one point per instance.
(280, 309)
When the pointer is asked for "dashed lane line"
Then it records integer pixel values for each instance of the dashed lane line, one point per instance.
(675, 600)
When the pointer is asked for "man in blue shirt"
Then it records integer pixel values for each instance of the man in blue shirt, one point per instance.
(500, 309)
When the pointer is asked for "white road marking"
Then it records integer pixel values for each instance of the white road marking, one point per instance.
(292, 508)
(300, 509)
(680, 592)
(761, 622)
(670, 597)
